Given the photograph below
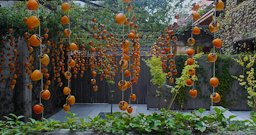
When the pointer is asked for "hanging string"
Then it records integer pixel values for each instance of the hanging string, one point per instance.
(192, 36)
(130, 60)
(214, 49)
(40, 64)
(69, 53)
(121, 56)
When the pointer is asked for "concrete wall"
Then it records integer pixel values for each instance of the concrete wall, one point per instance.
(20, 100)
(234, 98)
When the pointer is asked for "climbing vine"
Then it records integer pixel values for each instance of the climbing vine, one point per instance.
(225, 78)
(223, 65)
(247, 79)
(181, 81)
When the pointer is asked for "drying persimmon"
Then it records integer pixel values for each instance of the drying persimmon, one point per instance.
(131, 35)
(67, 75)
(38, 108)
(66, 107)
(215, 97)
(120, 18)
(36, 75)
(190, 52)
(34, 40)
(212, 57)
(133, 97)
(195, 15)
(191, 41)
(219, 5)
(214, 82)
(196, 30)
(66, 91)
(122, 85)
(45, 60)
(93, 73)
(32, 22)
(64, 20)
(217, 43)
(127, 73)
(129, 109)
(45, 94)
(190, 61)
(192, 71)
(71, 63)
(65, 6)
(71, 100)
(193, 93)
(93, 81)
(189, 82)
(214, 27)
(73, 47)
(123, 105)
(32, 4)
(67, 32)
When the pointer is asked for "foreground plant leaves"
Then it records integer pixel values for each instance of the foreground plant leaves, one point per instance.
(164, 122)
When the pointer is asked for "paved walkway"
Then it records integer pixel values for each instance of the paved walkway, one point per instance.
(92, 110)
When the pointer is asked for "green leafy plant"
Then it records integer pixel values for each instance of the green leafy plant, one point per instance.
(181, 81)
(164, 122)
(157, 74)
(248, 80)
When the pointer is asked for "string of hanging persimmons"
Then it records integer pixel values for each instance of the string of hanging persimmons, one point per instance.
(99, 63)
(133, 39)
(212, 57)
(166, 48)
(36, 41)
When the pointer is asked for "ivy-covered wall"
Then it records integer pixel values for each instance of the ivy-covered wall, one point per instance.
(238, 22)
(233, 96)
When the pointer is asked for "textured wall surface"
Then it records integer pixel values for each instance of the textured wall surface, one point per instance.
(239, 21)
(20, 100)
(233, 98)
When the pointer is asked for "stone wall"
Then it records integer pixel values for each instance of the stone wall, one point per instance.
(239, 22)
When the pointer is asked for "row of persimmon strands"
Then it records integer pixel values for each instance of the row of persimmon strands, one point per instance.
(214, 51)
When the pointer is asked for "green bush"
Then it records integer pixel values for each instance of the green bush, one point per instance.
(164, 122)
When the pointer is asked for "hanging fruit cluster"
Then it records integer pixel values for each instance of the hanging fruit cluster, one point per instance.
(212, 57)
(130, 55)
(191, 52)
(71, 63)
(35, 41)
(10, 61)
(166, 48)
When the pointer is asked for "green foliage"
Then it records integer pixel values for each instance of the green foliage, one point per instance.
(226, 80)
(248, 80)
(181, 81)
(223, 65)
(157, 74)
(164, 122)
(154, 16)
